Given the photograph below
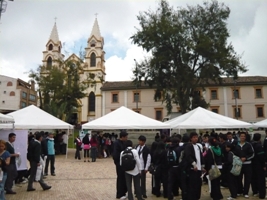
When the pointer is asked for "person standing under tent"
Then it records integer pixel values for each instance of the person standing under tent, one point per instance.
(78, 146)
(86, 147)
(12, 167)
(50, 154)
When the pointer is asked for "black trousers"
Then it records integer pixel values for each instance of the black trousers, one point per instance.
(247, 173)
(161, 177)
(86, 153)
(121, 182)
(51, 159)
(137, 188)
(224, 178)
(143, 182)
(216, 193)
(11, 175)
(184, 184)
(232, 184)
(194, 187)
(258, 181)
(173, 180)
(77, 152)
(33, 175)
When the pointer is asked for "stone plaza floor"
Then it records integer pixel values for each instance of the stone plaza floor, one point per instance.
(79, 180)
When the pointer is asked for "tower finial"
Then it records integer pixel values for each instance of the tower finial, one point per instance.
(55, 19)
(96, 15)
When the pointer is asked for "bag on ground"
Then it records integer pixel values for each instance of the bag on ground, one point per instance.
(127, 160)
(237, 165)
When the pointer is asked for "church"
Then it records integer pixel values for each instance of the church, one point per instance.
(248, 103)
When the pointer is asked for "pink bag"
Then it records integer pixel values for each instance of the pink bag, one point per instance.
(86, 146)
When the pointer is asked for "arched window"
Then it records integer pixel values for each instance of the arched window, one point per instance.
(9, 83)
(12, 93)
(91, 102)
(50, 47)
(93, 60)
(49, 62)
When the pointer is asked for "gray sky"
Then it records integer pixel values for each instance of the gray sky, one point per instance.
(26, 26)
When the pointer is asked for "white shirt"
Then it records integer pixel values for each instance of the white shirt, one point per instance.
(65, 138)
(148, 161)
(137, 168)
(197, 154)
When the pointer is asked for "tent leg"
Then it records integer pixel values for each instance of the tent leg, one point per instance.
(67, 143)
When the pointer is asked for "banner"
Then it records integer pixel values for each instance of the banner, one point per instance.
(20, 145)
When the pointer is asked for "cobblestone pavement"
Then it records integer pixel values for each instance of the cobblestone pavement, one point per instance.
(76, 179)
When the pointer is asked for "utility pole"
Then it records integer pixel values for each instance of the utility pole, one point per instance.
(136, 76)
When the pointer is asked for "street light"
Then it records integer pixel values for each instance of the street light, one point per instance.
(3, 5)
(136, 76)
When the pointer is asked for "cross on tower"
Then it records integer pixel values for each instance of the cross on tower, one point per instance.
(96, 15)
(55, 19)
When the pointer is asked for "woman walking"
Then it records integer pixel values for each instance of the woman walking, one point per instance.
(86, 147)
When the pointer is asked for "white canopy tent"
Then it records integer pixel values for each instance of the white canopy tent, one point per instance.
(124, 118)
(33, 117)
(6, 122)
(262, 124)
(201, 118)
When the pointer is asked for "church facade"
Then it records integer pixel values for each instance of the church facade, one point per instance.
(248, 103)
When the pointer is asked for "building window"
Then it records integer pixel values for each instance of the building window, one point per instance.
(159, 95)
(12, 93)
(49, 62)
(236, 93)
(158, 114)
(91, 103)
(93, 60)
(50, 47)
(115, 98)
(9, 83)
(214, 93)
(260, 110)
(24, 95)
(136, 96)
(258, 93)
(23, 104)
(32, 97)
(237, 113)
(215, 109)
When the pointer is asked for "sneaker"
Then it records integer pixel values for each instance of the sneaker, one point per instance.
(238, 195)
(53, 174)
(230, 198)
(246, 196)
(123, 197)
(255, 195)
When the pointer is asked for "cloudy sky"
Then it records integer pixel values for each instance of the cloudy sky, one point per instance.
(26, 26)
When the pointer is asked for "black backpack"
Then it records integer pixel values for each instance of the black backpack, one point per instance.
(127, 160)
(171, 157)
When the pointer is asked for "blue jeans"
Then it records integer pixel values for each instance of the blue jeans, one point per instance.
(2, 187)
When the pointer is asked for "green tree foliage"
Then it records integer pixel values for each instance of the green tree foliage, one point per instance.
(189, 49)
(60, 87)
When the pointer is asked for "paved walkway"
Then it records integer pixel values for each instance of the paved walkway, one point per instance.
(77, 180)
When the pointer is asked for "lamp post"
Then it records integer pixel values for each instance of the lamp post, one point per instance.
(3, 5)
(136, 76)
(235, 93)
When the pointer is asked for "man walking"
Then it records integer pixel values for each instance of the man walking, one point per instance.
(145, 159)
(34, 156)
(119, 146)
(11, 168)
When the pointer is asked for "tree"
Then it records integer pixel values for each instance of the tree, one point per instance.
(189, 50)
(60, 87)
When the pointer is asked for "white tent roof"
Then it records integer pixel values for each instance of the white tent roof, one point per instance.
(32, 117)
(202, 118)
(262, 123)
(124, 118)
(6, 119)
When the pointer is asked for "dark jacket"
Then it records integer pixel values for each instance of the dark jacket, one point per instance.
(117, 149)
(44, 147)
(183, 164)
(11, 150)
(34, 151)
(259, 158)
(160, 159)
(190, 156)
(175, 147)
(246, 151)
(209, 161)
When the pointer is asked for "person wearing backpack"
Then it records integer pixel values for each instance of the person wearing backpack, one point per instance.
(145, 159)
(214, 158)
(130, 162)
(195, 167)
(258, 168)
(119, 146)
(246, 155)
(228, 164)
(173, 172)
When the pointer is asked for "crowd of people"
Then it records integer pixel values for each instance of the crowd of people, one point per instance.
(181, 164)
